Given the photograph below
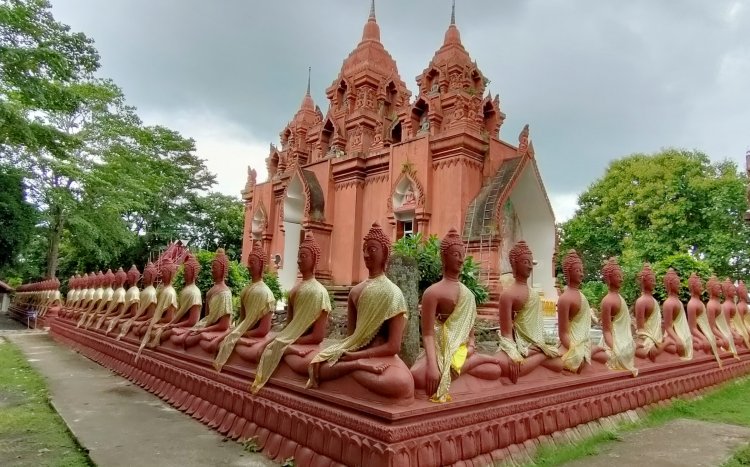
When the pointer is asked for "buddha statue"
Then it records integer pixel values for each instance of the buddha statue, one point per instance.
(218, 312)
(108, 293)
(70, 297)
(729, 308)
(742, 307)
(448, 315)
(141, 312)
(717, 318)
(117, 303)
(522, 344)
(166, 304)
(617, 335)
(700, 327)
(307, 319)
(82, 290)
(54, 304)
(678, 338)
(132, 300)
(376, 320)
(649, 340)
(92, 298)
(257, 304)
(189, 307)
(574, 320)
(97, 300)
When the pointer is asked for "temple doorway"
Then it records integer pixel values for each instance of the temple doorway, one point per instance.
(294, 204)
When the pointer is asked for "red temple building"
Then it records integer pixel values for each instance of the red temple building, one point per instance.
(413, 164)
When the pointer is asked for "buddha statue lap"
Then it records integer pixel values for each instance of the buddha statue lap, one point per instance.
(447, 319)
(736, 324)
(574, 320)
(678, 338)
(142, 312)
(717, 318)
(522, 345)
(117, 303)
(649, 335)
(700, 327)
(257, 304)
(218, 308)
(617, 335)
(132, 300)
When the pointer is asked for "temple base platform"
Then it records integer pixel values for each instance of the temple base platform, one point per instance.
(485, 421)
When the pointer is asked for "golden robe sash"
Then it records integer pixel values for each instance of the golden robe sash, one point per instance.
(257, 299)
(167, 298)
(118, 297)
(219, 306)
(682, 329)
(104, 304)
(580, 337)
(705, 328)
(311, 299)
(190, 296)
(528, 331)
(651, 335)
(379, 301)
(739, 326)
(726, 332)
(96, 297)
(132, 296)
(622, 356)
(147, 298)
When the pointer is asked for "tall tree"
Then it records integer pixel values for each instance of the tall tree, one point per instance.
(17, 214)
(216, 221)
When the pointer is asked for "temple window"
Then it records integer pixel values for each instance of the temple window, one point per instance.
(405, 228)
(396, 133)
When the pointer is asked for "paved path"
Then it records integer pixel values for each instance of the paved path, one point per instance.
(118, 422)
(678, 443)
(8, 325)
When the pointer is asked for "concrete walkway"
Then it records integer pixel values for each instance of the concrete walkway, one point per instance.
(119, 423)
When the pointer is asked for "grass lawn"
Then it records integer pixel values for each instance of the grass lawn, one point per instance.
(728, 404)
(31, 432)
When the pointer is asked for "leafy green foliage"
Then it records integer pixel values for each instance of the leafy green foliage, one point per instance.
(427, 254)
(272, 281)
(594, 291)
(217, 220)
(237, 276)
(684, 265)
(17, 214)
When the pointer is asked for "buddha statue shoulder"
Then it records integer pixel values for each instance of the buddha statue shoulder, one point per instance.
(617, 334)
(147, 300)
(166, 304)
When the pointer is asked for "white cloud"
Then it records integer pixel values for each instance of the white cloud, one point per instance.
(564, 205)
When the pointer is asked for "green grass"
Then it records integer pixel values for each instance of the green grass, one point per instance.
(728, 404)
(31, 432)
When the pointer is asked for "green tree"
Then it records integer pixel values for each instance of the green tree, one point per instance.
(217, 221)
(18, 216)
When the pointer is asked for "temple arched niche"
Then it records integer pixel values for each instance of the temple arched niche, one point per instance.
(420, 119)
(272, 162)
(391, 97)
(326, 133)
(258, 223)
(405, 200)
(491, 118)
(341, 93)
(294, 211)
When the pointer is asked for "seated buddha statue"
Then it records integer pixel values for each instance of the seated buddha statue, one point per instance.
(717, 318)
(70, 297)
(166, 305)
(141, 312)
(376, 320)
(218, 308)
(700, 327)
(257, 304)
(82, 284)
(729, 308)
(98, 301)
(307, 319)
(108, 293)
(742, 307)
(132, 299)
(448, 315)
(574, 320)
(649, 335)
(522, 344)
(92, 299)
(617, 335)
(189, 305)
(678, 338)
(54, 303)
(117, 303)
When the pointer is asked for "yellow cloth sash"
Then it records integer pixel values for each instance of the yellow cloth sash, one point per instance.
(147, 298)
(528, 331)
(746, 319)
(219, 306)
(682, 329)
(107, 295)
(451, 339)
(257, 300)
(580, 337)
(379, 301)
(96, 297)
(622, 356)
(132, 296)
(166, 298)
(310, 300)
(705, 328)
(190, 296)
(726, 331)
(72, 297)
(118, 297)
(739, 326)
(652, 335)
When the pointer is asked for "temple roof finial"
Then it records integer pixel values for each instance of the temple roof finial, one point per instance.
(371, 31)
(372, 9)
(309, 71)
(453, 12)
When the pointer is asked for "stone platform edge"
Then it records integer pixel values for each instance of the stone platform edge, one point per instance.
(285, 424)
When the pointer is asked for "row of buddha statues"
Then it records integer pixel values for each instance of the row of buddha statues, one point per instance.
(377, 319)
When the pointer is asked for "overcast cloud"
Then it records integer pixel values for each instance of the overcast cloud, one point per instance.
(595, 79)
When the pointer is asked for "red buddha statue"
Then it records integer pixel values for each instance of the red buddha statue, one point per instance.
(742, 307)
(447, 319)
(717, 319)
(729, 308)
(257, 304)
(574, 320)
(678, 338)
(218, 308)
(165, 306)
(648, 318)
(108, 293)
(617, 335)
(117, 303)
(132, 299)
(700, 327)
(146, 307)
(522, 344)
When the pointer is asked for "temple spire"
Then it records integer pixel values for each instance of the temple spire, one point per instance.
(453, 12)
(371, 31)
(309, 71)
(372, 10)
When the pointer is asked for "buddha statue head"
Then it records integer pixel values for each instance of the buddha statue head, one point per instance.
(376, 248)
(714, 287)
(672, 282)
(168, 270)
(521, 261)
(191, 268)
(99, 280)
(72, 283)
(219, 266)
(647, 278)
(133, 275)
(308, 256)
(572, 267)
(452, 253)
(149, 274)
(742, 292)
(120, 278)
(730, 291)
(612, 274)
(256, 261)
(695, 284)
(109, 278)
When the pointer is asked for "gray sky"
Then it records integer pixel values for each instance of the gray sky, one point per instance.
(595, 79)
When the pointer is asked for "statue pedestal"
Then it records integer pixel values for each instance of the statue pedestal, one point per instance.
(334, 427)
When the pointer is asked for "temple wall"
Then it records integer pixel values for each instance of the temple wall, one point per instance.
(374, 209)
(347, 221)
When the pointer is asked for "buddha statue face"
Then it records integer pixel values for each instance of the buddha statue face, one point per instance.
(191, 270)
(120, 278)
(167, 275)
(729, 289)
(647, 278)
(306, 260)
(612, 275)
(219, 266)
(573, 269)
(714, 287)
(373, 254)
(672, 283)
(133, 275)
(521, 261)
(742, 292)
(695, 285)
(452, 253)
(255, 265)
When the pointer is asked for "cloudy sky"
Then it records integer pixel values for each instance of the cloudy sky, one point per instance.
(595, 79)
